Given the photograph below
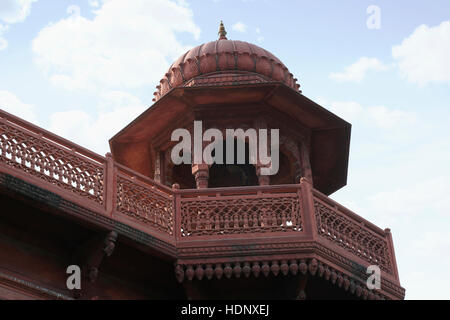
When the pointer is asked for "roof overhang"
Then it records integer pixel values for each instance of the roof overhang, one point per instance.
(330, 135)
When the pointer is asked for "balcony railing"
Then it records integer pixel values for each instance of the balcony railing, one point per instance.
(234, 211)
(180, 216)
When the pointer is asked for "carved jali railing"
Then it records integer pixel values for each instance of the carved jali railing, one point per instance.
(45, 156)
(140, 198)
(207, 213)
(84, 177)
(182, 217)
(351, 232)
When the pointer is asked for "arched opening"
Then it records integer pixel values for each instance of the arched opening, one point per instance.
(182, 174)
(284, 174)
(233, 175)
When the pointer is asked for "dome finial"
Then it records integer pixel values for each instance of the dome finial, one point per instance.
(222, 32)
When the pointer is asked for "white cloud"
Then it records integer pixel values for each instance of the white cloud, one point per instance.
(429, 196)
(12, 11)
(124, 45)
(358, 70)
(3, 42)
(115, 110)
(379, 116)
(240, 27)
(423, 57)
(245, 1)
(386, 118)
(419, 217)
(12, 104)
(260, 38)
(94, 3)
(118, 99)
(3, 28)
(404, 185)
(427, 248)
(348, 110)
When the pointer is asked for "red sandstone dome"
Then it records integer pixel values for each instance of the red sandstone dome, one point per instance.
(225, 62)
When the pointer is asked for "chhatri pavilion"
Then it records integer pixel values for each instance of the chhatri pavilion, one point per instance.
(140, 226)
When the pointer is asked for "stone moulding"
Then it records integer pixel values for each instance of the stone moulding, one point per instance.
(28, 288)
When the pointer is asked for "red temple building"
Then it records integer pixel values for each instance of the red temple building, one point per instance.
(140, 227)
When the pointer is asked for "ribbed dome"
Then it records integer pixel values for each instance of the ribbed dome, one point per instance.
(225, 57)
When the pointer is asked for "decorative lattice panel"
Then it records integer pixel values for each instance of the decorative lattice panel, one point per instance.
(353, 236)
(146, 204)
(237, 215)
(51, 162)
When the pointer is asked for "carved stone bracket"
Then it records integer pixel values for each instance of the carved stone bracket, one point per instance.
(98, 252)
(301, 289)
(90, 257)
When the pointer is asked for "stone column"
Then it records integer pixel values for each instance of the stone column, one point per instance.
(262, 179)
(158, 168)
(201, 174)
(306, 164)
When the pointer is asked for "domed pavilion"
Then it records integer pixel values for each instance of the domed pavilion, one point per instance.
(141, 226)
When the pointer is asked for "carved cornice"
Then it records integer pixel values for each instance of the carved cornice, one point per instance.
(258, 253)
(278, 268)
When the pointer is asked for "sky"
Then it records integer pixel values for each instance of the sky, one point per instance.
(85, 68)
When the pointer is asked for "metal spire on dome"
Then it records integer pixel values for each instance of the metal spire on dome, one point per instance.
(222, 32)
